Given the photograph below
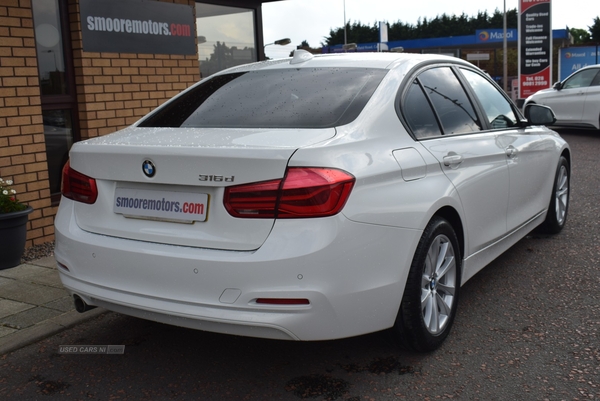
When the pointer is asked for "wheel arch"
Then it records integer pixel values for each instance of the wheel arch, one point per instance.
(451, 215)
(567, 154)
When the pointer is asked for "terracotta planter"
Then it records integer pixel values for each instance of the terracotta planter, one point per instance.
(13, 234)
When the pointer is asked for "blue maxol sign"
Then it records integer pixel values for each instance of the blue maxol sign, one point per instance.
(570, 59)
(495, 35)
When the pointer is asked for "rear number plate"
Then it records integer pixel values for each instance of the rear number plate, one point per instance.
(161, 205)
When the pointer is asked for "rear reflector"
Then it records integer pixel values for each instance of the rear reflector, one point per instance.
(304, 192)
(77, 186)
(62, 266)
(283, 301)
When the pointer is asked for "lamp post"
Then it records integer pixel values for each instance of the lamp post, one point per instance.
(505, 55)
(280, 42)
(345, 35)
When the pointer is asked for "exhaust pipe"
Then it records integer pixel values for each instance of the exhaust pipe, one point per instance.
(80, 305)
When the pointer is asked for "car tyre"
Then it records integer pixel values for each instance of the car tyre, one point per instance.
(559, 202)
(430, 298)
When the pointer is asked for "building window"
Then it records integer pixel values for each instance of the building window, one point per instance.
(226, 37)
(49, 44)
(55, 67)
(58, 132)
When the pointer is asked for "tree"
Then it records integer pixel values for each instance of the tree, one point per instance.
(595, 30)
(305, 46)
(580, 36)
(224, 56)
(355, 32)
(440, 26)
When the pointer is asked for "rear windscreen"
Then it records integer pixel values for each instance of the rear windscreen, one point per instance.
(283, 98)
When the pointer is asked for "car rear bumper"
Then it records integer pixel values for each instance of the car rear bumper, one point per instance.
(353, 275)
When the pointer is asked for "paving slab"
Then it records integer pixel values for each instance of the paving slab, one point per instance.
(9, 307)
(63, 304)
(29, 317)
(47, 277)
(31, 293)
(34, 305)
(23, 271)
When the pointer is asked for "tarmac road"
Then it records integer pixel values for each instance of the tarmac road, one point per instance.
(527, 329)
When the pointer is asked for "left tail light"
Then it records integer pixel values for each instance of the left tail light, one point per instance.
(77, 186)
(304, 192)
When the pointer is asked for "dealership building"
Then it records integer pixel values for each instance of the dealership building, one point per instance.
(76, 69)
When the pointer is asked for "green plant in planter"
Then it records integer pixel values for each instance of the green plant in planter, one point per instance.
(8, 198)
(13, 226)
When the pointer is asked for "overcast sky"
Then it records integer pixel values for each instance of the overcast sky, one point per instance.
(311, 20)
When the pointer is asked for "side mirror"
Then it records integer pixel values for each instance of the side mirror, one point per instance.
(537, 114)
(558, 85)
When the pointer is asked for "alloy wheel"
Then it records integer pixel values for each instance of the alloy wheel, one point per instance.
(438, 284)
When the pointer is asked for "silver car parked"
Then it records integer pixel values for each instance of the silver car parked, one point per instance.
(576, 100)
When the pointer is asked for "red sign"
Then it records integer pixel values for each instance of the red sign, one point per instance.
(535, 46)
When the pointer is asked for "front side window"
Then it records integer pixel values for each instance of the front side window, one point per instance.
(497, 109)
(283, 98)
(581, 79)
(450, 101)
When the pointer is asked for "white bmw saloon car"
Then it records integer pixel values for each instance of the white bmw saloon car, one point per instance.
(311, 198)
(576, 100)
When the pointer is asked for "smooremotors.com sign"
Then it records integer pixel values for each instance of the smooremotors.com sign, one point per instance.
(137, 26)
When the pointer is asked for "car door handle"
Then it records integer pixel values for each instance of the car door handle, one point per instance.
(511, 152)
(452, 160)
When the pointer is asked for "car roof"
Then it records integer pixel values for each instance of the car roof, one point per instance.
(590, 66)
(304, 59)
(587, 67)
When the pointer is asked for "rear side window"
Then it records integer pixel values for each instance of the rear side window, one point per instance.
(281, 98)
(418, 113)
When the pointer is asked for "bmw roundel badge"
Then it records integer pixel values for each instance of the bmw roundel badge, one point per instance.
(148, 168)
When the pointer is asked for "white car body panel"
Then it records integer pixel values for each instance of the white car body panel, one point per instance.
(530, 184)
(591, 109)
(352, 266)
(180, 157)
(481, 179)
(296, 261)
(567, 104)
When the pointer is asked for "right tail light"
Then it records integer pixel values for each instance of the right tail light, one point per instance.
(304, 192)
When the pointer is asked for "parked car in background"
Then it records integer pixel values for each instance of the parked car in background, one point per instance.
(311, 198)
(576, 100)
